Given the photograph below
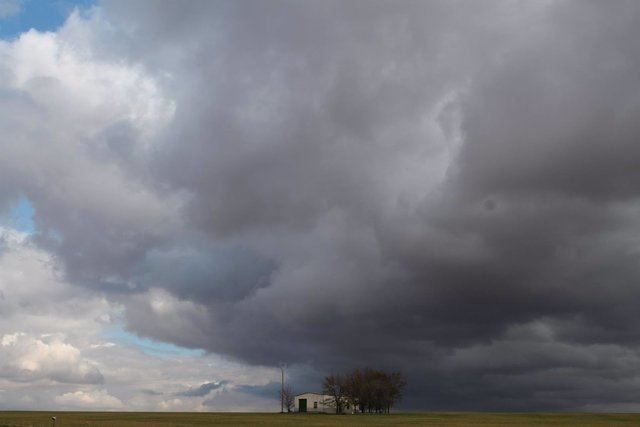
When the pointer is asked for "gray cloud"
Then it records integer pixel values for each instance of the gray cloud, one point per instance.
(444, 188)
(151, 392)
(269, 390)
(203, 390)
(9, 8)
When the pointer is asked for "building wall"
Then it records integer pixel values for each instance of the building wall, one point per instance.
(315, 403)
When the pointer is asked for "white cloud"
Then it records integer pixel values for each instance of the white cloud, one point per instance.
(172, 405)
(79, 90)
(90, 399)
(11, 236)
(34, 297)
(73, 124)
(26, 358)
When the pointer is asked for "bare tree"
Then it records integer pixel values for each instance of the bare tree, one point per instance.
(395, 385)
(354, 384)
(334, 386)
(288, 397)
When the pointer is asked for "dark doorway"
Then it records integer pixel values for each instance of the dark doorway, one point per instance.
(302, 405)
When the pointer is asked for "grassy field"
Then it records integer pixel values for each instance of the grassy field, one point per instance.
(130, 419)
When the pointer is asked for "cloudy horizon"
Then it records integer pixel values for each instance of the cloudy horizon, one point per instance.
(194, 193)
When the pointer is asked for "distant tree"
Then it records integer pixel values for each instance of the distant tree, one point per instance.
(372, 390)
(334, 386)
(395, 385)
(376, 387)
(354, 387)
(288, 397)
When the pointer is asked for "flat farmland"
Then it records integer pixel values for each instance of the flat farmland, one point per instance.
(167, 419)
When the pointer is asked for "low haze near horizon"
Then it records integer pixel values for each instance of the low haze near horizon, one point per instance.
(192, 193)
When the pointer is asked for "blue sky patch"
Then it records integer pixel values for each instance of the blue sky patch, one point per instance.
(148, 346)
(21, 216)
(19, 16)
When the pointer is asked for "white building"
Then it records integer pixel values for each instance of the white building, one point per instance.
(316, 402)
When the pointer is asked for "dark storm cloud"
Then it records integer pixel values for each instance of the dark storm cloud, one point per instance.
(268, 390)
(318, 155)
(559, 115)
(193, 269)
(445, 188)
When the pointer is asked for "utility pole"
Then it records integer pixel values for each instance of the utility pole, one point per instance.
(282, 389)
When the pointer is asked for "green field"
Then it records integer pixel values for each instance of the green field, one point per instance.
(164, 419)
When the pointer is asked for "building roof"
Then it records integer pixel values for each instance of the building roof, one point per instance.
(311, 392)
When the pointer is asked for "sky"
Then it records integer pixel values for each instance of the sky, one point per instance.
(195, 193)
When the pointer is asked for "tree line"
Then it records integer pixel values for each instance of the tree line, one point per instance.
(364, 390)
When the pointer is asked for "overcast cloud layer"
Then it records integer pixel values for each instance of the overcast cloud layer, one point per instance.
(442, 188)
